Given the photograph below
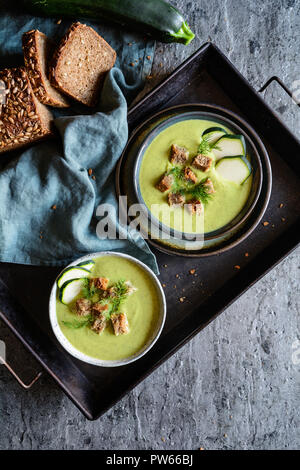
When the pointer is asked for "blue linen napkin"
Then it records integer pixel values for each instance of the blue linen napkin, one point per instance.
(55, 173)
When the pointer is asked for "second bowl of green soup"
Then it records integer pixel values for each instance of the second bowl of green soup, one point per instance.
(107, 309)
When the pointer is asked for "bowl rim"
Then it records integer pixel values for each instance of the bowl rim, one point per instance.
(228, 121)
(65, 343)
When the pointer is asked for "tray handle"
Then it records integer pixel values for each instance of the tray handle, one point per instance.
(26, 386)
(280, 82)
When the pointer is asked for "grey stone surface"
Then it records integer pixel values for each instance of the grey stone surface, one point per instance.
(237, 384)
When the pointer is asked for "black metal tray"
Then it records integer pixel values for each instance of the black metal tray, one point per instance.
(209, 77)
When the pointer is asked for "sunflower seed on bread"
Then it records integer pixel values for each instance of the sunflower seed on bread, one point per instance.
(37, 49)
(23, 119)
(80, 63)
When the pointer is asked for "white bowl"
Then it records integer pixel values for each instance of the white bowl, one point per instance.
(99, 362)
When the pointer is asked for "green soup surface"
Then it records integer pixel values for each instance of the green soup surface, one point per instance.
(141, 308)
(225, 204)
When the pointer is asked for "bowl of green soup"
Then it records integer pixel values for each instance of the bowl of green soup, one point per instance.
(202, 176)
(107, 309)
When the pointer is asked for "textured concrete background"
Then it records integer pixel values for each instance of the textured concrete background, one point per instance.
(237, 384)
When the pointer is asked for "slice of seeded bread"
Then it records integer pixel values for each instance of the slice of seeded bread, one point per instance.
(38, 50)
(80, 64)
(23, 119)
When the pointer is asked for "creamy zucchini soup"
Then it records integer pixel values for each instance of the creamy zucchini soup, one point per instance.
(107, 308)
(194, 171)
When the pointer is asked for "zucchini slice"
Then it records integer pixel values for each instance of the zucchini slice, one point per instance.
(212, 134)
(87, 264)
(235, 169)
(230, 145)
(74, 272)
(69, 290)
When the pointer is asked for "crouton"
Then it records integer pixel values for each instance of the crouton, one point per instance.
(202, 162)
(194, 206)
(120, 323)
(100, 282)
(178, 154)
(98, 308)
(190, 175)
(165, 183)
(209, 186)
(83, 307)
(99, 324)
(176, 199)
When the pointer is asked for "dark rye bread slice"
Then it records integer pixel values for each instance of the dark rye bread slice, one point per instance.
(80, 64)
(38, 50)
(23, 119)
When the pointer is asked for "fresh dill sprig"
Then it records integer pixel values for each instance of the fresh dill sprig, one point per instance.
(176, 172)
(205, 147)
(179, 182)
(177, 175)
(121, 288)
(120, 294)
(88, 289)
(76, 324)
(114, 301)
(186, 188)
(200, 192)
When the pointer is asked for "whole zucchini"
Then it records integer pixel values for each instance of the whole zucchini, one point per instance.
(155, 17)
